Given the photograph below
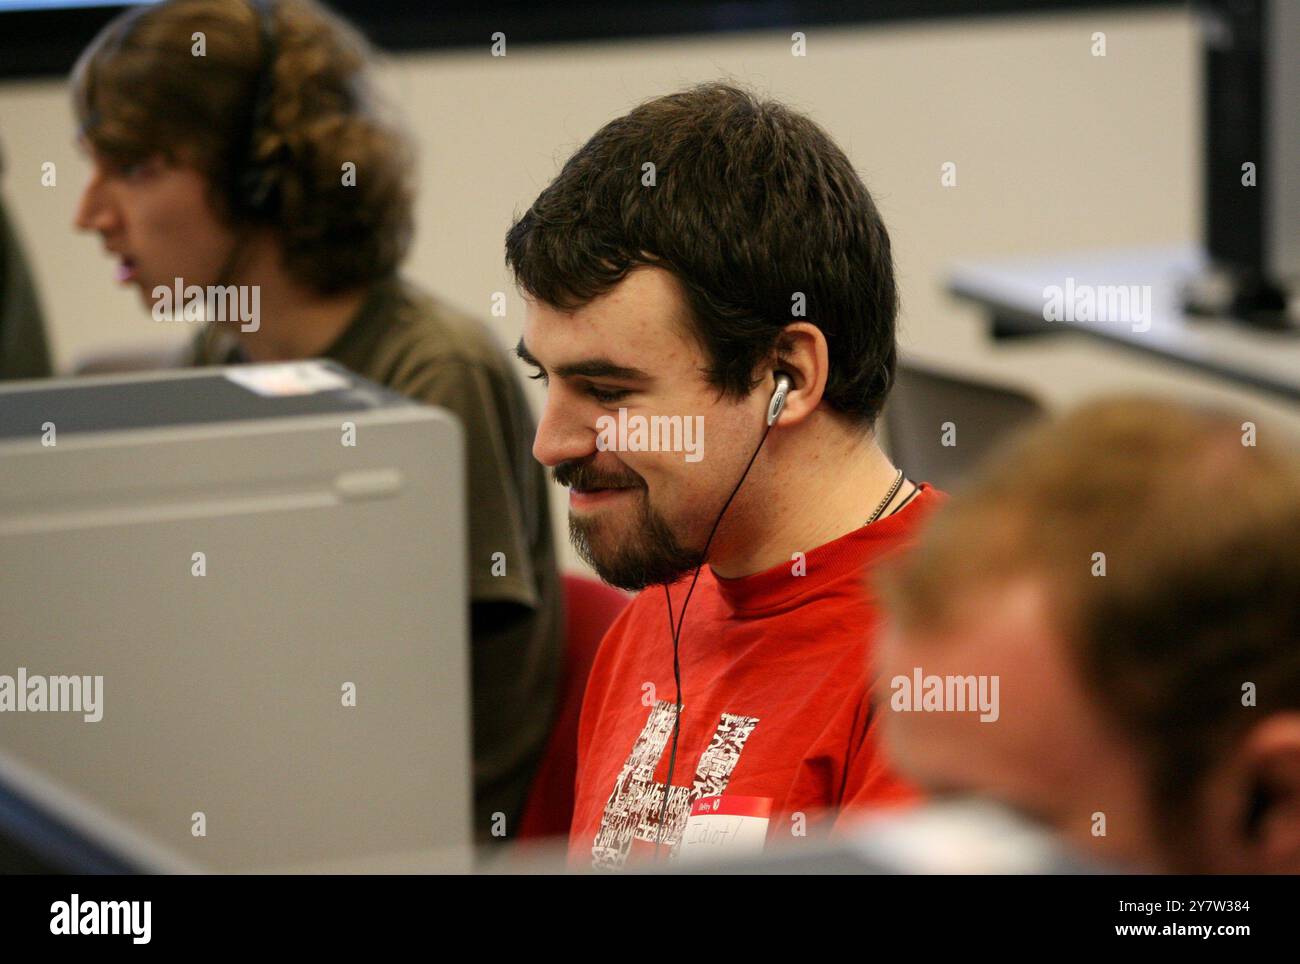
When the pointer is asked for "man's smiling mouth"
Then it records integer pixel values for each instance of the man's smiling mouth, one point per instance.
(580, 498)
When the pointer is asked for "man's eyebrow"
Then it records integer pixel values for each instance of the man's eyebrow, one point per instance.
(588, 368)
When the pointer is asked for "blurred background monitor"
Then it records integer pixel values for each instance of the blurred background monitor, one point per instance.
(1251, 113)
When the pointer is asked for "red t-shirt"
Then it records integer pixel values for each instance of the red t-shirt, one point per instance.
(775, 701)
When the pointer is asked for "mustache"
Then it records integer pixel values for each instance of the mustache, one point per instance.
(584, 476)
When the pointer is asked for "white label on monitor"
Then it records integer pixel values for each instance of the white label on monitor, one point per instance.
(290, 378)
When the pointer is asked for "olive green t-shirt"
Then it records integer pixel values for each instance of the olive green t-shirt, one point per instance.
(410, 342)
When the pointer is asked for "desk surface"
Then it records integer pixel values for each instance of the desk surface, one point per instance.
(1017, 291)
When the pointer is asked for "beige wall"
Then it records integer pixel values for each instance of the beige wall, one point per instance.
(1057, 150)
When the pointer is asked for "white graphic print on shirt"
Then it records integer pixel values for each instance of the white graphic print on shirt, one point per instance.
(632, 810)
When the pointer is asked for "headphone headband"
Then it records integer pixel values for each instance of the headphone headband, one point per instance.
(254, 181)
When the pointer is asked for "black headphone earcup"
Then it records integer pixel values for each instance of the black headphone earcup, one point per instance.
(257, 190)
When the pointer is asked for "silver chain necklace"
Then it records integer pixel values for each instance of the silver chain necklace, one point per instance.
(889, 497)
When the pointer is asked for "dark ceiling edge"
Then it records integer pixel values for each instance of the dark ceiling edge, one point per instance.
(45, 43)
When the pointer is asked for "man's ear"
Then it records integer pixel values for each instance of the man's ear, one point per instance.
(803, 355)
(1269, 824)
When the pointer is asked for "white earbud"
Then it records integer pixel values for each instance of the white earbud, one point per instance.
(774, 407)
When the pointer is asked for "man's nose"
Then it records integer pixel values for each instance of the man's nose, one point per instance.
(561, 437)
(94, 212)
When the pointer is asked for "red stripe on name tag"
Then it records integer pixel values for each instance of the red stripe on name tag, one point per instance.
(733, 806)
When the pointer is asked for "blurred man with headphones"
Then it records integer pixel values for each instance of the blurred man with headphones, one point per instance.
(237, 145)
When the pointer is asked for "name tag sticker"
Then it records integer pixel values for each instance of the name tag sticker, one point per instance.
(289, 378)
(725, 826)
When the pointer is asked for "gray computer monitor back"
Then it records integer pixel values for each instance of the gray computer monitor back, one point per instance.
(271, 589)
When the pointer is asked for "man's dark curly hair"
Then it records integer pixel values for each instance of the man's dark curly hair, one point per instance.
(751, 205)
(140, 91)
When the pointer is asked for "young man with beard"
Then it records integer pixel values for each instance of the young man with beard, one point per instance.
(696, 257)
